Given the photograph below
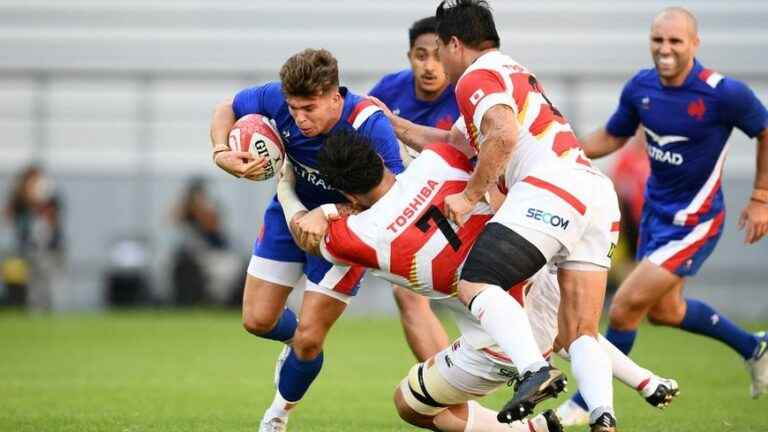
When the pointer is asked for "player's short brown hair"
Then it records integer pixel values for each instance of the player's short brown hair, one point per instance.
(310, 73)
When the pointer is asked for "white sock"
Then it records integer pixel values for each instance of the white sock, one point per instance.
(624, 369)
(592, 368)
(482, 419)
(507, 323)
(280, 407)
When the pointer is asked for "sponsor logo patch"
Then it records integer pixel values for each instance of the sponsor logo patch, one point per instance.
(548, 218)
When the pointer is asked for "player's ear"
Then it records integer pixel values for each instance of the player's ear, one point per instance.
(454, 43)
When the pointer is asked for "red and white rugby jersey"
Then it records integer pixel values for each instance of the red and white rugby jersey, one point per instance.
(405, 235)
(544, 133)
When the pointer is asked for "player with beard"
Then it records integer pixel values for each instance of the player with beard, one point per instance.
(687, 112)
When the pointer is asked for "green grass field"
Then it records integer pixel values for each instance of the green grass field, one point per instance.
(199, 371)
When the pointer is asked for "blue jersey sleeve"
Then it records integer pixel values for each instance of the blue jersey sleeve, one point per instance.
(741, 108)
(378, 89)
(262, 99)
(380, 131)
(624, 122)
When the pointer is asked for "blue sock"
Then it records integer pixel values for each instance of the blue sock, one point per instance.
(701, 319)
(296, 376)
(623, 340)
(285, 327)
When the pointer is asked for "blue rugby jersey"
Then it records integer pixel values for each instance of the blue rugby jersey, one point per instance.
(687, 128)
(358, 113)
(397, 91)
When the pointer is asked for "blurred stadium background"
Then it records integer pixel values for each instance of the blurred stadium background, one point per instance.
(113, 98)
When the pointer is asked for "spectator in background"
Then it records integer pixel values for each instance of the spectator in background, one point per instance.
(198, 215)
(202, 267)
(35, 211)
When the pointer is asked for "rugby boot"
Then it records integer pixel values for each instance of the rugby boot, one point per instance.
(531, 389)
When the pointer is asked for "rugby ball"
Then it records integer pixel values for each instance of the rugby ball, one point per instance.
(258, 135)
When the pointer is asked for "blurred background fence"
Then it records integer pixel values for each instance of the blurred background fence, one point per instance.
(113, 98)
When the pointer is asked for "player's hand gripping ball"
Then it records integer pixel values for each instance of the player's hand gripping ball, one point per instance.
(258, 135)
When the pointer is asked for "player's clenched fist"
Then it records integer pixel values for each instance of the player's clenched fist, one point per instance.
(310, 227)
(457, 207)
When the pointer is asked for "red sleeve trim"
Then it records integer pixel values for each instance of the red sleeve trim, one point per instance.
(453, 156)
(475, 86)
(347, 247)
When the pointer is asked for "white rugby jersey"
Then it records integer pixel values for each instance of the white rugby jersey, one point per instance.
(544, 137)
(405, 234)
(408, 241)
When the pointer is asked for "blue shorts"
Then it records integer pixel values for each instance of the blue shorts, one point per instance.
(680, 249)
(277, 259)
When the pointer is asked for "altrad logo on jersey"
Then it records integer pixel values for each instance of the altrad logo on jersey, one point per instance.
(548, 218)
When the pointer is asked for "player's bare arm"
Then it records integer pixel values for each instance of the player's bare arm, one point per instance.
(754, 217)
(411, 134)
(600, 143)
(238, 164)
(499, 127)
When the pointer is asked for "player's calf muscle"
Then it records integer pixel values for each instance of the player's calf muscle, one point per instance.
(668, 313)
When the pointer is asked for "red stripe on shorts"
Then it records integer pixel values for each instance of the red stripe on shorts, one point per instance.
(562, 193)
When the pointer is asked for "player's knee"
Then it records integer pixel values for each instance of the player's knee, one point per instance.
(308, 342)
(258, 324)
(409, 414)
(622, 312)
(403, 410)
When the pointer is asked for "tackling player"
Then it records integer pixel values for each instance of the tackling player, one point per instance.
(688, 112)
(306, 105)
(423, 95)
(559, 210)
(403, 234)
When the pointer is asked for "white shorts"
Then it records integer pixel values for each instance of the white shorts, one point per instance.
(476, 372)
(577, 206)
(291, 274)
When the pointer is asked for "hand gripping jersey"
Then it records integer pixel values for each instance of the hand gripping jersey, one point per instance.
(545, 137)
(687, 128)
(405, 234)
(358, 113)
(406, 238)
